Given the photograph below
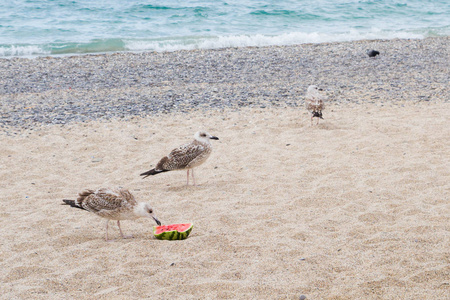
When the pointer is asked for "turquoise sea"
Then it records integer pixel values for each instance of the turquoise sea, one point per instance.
(55, 27)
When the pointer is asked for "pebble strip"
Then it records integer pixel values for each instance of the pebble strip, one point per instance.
(59, 90)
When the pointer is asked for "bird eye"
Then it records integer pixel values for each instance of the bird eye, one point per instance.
(203, 134)
(150, 211)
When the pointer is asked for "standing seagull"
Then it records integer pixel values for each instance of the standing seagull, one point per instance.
(187, 156)
(315, 102)
(110, 204)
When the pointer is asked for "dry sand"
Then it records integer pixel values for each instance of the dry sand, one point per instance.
(355, 208)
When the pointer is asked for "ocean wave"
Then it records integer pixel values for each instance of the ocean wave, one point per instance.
(203, 42)
(260, 40)
(94, 46)
(22, 50)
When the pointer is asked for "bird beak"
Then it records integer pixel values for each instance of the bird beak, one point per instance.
(214, 138)
(157, 221)
(320, 89)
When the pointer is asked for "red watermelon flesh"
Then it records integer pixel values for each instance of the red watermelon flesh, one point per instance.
(173, 231)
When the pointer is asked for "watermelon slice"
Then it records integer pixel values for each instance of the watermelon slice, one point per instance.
(173, 231)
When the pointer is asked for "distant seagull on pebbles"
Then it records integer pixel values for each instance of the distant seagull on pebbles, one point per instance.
(315, 102)
(186, 157)
(112, 204)
(372, 53)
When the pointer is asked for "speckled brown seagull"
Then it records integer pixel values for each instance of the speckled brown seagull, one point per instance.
(113, 204)
(185, 157)
(315, 102)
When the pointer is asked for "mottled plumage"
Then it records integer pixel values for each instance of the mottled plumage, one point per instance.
(112, 204)
(187, 156)
(315, 102)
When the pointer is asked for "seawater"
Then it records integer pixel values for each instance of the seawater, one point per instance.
(55, 27)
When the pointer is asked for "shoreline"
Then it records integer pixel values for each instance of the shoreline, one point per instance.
(82, 88)
(121, 52)
(114, 52)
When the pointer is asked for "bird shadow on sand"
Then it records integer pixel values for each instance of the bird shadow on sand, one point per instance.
(324, 126)
(99, 240)
(76, 239)
(184, 187)
(327, 126)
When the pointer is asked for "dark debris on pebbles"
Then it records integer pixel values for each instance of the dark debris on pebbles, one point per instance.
(62, 90)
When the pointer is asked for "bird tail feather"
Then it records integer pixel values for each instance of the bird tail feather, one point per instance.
(71, 203)
(152, 172)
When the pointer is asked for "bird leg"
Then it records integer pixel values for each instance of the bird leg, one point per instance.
(187, 183)
(106, 238)
(121, 233)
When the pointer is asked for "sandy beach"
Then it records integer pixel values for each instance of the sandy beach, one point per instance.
(356, 207)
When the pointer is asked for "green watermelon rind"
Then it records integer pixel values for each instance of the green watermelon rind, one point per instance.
(172, 235)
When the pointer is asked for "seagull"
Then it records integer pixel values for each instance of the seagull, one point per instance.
(315, 102)
(187, 156)
(112, 204)
(372, 53)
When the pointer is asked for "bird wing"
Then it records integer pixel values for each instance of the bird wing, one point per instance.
(309, 104)
(320, 105)
(103, 199)
(180, 157)
(314, 104)
(127, 197)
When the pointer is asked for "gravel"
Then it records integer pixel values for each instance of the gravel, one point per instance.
(61, 90)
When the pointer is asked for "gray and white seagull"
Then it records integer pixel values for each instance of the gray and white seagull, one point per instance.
(314, 102)
(185, 157)
(113, 204)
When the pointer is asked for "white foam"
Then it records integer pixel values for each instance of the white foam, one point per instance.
(23, 51)
(293, 38)
(230, 41)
